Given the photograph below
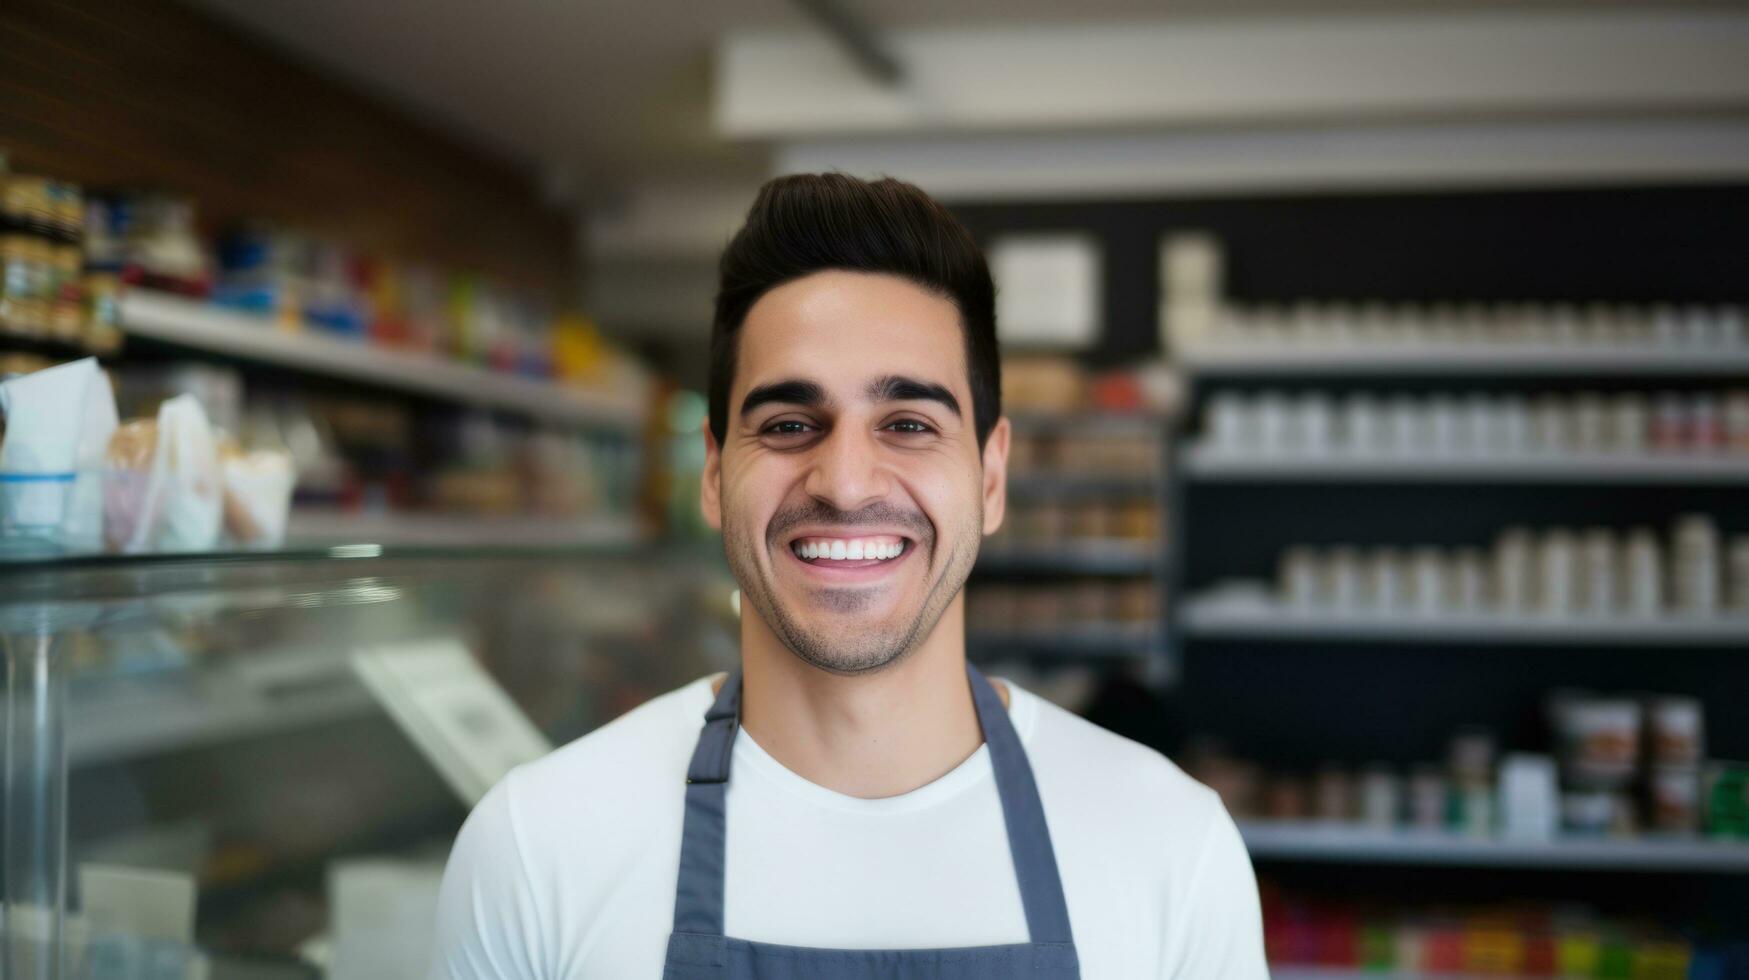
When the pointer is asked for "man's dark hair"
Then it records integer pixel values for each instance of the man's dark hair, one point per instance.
(806, 223)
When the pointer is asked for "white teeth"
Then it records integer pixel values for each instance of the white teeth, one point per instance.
(852, 550)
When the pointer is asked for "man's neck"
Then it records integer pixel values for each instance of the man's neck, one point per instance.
(871, 735)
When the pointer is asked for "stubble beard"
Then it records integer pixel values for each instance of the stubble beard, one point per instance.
(862, 648)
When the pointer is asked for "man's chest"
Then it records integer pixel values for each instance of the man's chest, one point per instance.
(798, 875)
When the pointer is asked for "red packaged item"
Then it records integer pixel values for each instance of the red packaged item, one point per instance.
(1540, 959)
(1117, 391)
(1442, 949)
(1338, 939)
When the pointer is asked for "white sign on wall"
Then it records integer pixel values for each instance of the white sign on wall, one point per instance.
(1047, 290)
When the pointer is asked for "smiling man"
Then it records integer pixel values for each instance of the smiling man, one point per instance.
(853, 801)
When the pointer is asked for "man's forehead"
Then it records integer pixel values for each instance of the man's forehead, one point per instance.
(845, 387)
(846, 333)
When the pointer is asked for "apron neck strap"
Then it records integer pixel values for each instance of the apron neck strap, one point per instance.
(698, 899)
(698, 896)
(1029, 840)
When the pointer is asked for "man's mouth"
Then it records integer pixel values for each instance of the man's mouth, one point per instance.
(861, 552)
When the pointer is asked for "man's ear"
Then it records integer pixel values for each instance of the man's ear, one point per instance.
(996, 475)
(710, 481)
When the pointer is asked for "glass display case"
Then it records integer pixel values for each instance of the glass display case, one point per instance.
(202, 778)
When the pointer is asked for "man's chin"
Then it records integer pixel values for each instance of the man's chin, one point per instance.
(844, 643)
(845, 663)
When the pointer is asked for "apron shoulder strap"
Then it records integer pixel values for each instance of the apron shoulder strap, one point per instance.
(1029, 839)
(698, 895)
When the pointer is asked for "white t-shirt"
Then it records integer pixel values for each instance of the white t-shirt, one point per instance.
(566, 870)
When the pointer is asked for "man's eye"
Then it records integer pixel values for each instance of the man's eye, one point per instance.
(911, 427)
(788, 427)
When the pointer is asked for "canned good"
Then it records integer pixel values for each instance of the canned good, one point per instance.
(1599, 740)
(1334, 795)
(1675, 799)
(1589, 812)
(1471, 756)
(1427, 798)
(1380, 797)
(1677, 731)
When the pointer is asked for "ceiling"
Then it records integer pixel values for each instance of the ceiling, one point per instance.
(588, 95)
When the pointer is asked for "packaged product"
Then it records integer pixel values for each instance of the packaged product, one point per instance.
(164, 487)
(58, 426)
(257, 494)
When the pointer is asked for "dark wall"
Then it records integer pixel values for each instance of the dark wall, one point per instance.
(1614, 245)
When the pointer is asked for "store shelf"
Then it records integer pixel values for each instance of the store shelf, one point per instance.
(1290, 972)
(1279, 972)
(326, 528)
(1432, 360)
(1297, 840)
(1218, 617)
(1207, 464)
(1115, 557)
(1293, 972)
(1090, 423)
(205, 327)
(1083, 484)
(53, 347)
(1115, 641)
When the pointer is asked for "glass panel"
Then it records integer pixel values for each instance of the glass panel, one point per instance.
(215, 726)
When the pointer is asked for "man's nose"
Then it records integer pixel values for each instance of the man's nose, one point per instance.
(848, 472)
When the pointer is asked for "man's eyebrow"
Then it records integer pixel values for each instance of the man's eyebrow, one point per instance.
(897, 388)
(788, 392)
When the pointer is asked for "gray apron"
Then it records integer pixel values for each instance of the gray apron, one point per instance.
(698, 950)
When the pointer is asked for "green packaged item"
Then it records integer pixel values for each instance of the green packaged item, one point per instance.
(1725, 799)
(1661, 961)
(1378, 947)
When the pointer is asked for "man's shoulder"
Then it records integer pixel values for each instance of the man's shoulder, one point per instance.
(645, 748)
(1106, 773)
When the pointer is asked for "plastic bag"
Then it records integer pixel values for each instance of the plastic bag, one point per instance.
(257, 494)
(164, 488)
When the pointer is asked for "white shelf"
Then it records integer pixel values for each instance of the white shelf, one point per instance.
(1230, 359)
(1220, 617)
(1206, 463)
(1344, 843)
(209, 328)
(309, 526)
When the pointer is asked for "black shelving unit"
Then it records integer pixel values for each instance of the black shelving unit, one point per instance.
(1297, 690)
(1291, 698)
(1108, 645)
